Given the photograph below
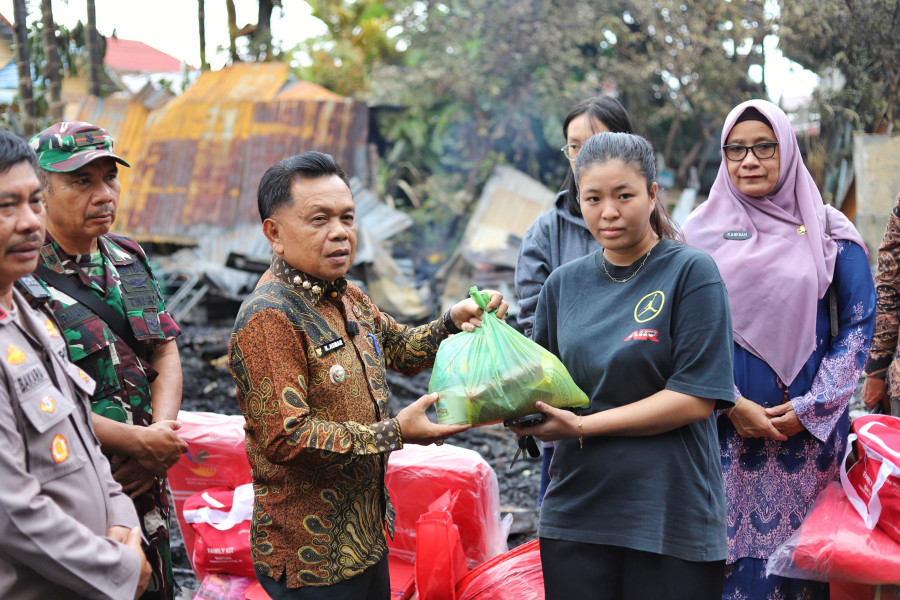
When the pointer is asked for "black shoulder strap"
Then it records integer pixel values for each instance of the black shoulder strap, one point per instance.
(832, 294)
(117, 322)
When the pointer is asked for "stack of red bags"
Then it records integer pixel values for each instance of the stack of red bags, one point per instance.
(852, 533)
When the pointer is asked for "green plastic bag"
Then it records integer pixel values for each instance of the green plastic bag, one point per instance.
(495, 373)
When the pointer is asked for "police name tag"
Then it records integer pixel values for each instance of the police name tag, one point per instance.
(329, 347)
(737, 235)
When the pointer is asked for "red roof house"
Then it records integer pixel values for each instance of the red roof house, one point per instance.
(129, 56)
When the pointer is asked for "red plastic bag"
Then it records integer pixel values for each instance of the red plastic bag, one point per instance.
(256, 592)
(216, 457)
(217, 586)
(873, 483)
(418, 475)
(834, 544)
(220, 518)
(514, 575)
(403, 578)
(841, 590)
(440, 560)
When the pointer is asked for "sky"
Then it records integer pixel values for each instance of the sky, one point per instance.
(171, 26)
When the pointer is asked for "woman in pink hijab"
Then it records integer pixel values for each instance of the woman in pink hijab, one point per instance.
(781, 252)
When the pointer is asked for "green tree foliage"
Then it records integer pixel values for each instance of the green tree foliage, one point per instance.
(858, 40)
(71, 55)
(484, 82)
(358, 38)
(853, 45)
(683, 65)
(491, 79)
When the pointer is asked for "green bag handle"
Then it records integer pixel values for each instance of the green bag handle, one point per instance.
(480, 298)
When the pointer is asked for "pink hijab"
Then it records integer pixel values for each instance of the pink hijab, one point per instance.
(776, 276)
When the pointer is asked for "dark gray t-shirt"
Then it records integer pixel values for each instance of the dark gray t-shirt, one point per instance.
(666, 328)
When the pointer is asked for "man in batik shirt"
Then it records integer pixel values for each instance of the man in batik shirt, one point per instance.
(116, 325)
(881, 389)
(309, 352)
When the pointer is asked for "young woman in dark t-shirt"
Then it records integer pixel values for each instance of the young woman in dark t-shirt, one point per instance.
(635, 507)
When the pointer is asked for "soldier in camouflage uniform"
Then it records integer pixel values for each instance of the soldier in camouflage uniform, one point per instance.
(131, 354)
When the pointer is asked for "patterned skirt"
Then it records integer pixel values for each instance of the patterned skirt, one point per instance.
(746, 580)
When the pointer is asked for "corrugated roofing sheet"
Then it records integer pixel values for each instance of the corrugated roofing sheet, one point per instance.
(196, 162)
(510, 202)
(307, 90)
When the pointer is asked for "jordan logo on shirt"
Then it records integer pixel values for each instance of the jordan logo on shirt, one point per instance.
(649, 306)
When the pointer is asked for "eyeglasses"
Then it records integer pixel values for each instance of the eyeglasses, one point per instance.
(571, 151)
(762, 150)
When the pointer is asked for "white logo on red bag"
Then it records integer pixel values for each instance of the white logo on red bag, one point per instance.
(643, 335)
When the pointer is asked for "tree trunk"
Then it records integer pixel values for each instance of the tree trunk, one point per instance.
(263, 32)
(23, 63)
(201, 17)
(51, 58)
(93, 50)
(670, 140)
(693, 155)
(232, 30)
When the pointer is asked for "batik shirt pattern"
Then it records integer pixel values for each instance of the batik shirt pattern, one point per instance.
(883, 355)
(314, 393)
(123, 374)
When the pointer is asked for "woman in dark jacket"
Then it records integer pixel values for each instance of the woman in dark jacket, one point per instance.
(560, 234)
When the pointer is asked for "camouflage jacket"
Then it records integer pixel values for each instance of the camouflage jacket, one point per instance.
(118, 275)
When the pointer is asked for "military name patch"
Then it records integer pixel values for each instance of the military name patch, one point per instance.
(141, 301)
(329, 347)
(737, 235)
(73, 315)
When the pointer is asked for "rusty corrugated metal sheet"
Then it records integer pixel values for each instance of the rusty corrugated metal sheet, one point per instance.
(242, 81)
(510, 202)
(196, 162)
(307, 90)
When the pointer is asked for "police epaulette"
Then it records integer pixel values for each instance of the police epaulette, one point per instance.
(33, 291)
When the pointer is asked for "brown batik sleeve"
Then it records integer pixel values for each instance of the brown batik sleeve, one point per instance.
(887, 289)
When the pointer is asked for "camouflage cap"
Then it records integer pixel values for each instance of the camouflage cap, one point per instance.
(69, 145)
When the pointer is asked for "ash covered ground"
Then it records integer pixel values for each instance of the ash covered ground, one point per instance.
(208, 387)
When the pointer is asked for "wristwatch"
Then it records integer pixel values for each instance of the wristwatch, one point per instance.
(449, 324)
